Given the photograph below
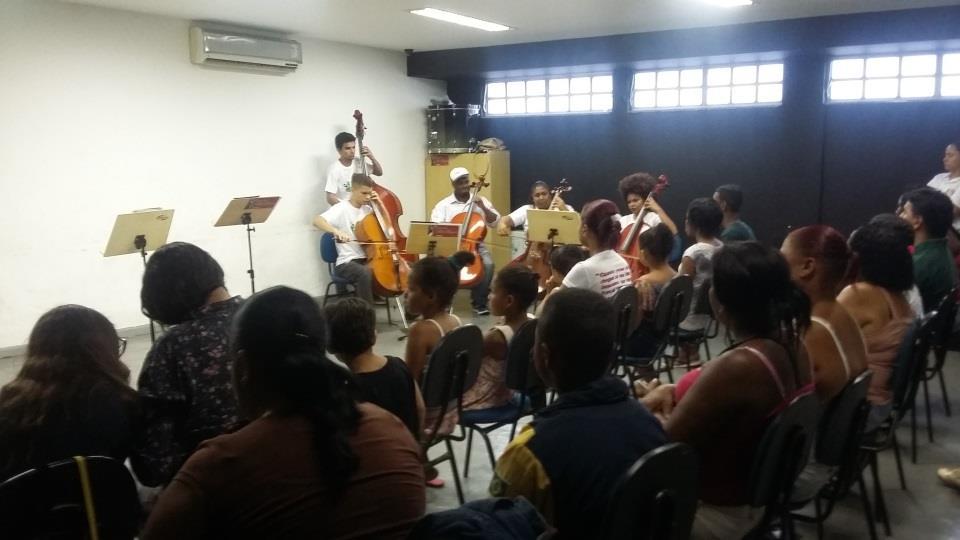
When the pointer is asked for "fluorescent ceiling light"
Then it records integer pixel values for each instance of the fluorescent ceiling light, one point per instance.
(730, 3)
(462, 20)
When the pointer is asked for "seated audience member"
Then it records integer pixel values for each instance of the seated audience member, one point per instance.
(605, 272)
(185, 386)
(71, 397)
(723, 408)
(876, 301)
(702, 224)
(929, 213)
(904, 234)
(384, 381)
(312, 463)
(570, 458)
(431, 285)
(819, 260)
(562, 259)
(730, 199)
(514, 290)
(655, 246)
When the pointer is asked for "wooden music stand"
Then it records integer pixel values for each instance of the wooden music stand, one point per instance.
(433, 239)
(247, 211)
(139, 232)
(553, 227)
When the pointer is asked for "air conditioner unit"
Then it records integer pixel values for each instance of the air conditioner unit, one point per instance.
(209, 47)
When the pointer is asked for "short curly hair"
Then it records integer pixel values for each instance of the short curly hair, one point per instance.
(352, 327)
(177, 281)
(640, 184)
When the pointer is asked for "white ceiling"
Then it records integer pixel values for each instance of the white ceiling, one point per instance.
(387, 24)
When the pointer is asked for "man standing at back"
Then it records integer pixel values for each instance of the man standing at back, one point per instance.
(569, 460)
(730, 199)
(340, 172)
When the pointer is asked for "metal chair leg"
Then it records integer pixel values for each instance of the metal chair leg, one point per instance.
(926, 401)
(466, 459)
(456, 473)
(513, 430)
(913, 433)
(486, 440)
(867, 510)
(946, 398)
(819, 516)
(896, 455)
(878, 494)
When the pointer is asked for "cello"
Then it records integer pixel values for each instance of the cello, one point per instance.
(537, 254)
(391, 203)
(379, 234)
(629, 246)
(473, 229)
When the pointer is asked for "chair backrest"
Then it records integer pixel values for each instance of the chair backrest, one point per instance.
(836, 427)
(944, 326)
(520, 373)
(657, 497)
(911, 363)
(328, 249)
(702, 304)
(627, 305)
(452, 367)
(673, 304)
(48, 502)
(783, 452)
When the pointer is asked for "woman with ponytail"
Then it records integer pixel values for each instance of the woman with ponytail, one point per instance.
(723, 408)
(605, 272)
(431, 285)
(819, 261)
(312, 462)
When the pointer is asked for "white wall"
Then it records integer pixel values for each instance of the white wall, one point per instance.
(101, 112)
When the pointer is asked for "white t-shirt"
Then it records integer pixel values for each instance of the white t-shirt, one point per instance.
(606, 273)
(519, 216)
(702, 255)
(339, 177)
(448, 207)
(949, 187)
(345, 216)
(650, 220)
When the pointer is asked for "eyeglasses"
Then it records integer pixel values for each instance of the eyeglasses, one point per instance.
(122, 345)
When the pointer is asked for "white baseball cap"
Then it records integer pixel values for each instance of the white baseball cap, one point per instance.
(457, 172)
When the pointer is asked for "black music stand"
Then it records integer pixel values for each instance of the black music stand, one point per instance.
(247, 211)
(139, 232)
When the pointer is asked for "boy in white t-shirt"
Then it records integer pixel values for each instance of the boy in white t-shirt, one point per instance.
(341, 220)
(340, 172)
(703, 223)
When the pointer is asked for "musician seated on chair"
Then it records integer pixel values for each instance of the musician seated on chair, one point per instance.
(340, 220)
(541, 200)
(340, 172)
(456, 203)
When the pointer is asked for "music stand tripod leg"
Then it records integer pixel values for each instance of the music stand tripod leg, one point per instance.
(140, 242)
(245, 220)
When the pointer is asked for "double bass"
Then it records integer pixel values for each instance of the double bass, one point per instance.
(473, 229)
(379, 233)
(629, 246)
(537, 254)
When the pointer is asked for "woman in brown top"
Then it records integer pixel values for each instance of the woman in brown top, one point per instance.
(819, 259)
(312, 463)
(876, 302)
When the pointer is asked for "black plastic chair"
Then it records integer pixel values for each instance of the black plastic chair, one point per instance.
(672, 307)
(49, 503)
(909, 370)
(702, 336)
(657, 498)
(939, 344)
(453, 367)
(782, 454)
(837, 448)
(627, 305)
(522, 378)
(328, 253)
